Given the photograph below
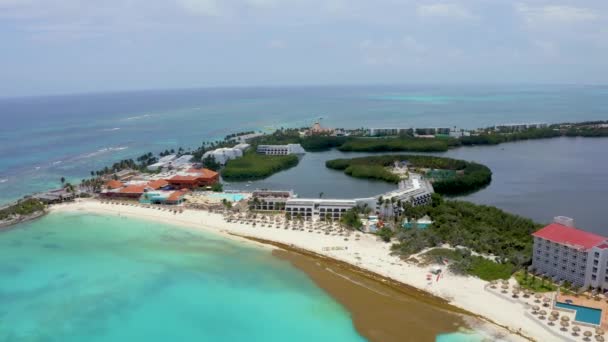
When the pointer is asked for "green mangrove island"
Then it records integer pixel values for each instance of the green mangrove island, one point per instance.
(449, 176)
(256, 166)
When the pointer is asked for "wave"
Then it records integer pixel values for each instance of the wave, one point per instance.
(57, 162)
(103, 150)
(3, 180)
(110, 129)
(138, 117)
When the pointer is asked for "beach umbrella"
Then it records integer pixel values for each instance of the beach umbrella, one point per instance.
(588, 334)
(552, 319)
(538, 296)
(505, 287)
(564, 324)
(542, 314)
(505, 282)
(599, 331)
(576, 329)
(554, 313)
(599, 338)
(565, 318)
(546, 300)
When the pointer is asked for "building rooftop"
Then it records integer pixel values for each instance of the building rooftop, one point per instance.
(114, 184)
(570, 236)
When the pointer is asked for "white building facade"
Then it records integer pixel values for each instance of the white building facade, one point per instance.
(280, 150)
(564, 253)
(318, 208)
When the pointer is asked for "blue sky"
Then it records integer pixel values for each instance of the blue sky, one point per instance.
(70, 46)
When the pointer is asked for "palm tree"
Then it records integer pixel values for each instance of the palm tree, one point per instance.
(321, 194)
(62, 180)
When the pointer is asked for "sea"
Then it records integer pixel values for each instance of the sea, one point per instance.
(75, 277)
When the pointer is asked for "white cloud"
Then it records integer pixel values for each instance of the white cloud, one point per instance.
(553, 14)
(444, 10)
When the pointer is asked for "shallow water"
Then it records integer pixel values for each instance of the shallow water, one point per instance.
(75, 277)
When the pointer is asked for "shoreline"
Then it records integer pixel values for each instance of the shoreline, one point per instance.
(366, 257)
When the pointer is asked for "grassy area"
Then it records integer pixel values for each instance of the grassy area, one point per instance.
(462, 262)
(530, 282)
(256, 166)
(472, 176)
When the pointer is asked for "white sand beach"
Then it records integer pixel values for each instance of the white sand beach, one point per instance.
(365, 251)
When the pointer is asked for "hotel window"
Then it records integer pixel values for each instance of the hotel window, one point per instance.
(593, 277)
(595, 262)
(597, 254)
(595, 270)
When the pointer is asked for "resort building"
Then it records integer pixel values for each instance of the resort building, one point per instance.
(55, 196)
(319, 208)
(270, 199)
(223, 155)
(519, 127)
(280, 150)
(163, 197)
(163, 162)
(316, 129)
(376, 132)
(565, 253)
(193, 178)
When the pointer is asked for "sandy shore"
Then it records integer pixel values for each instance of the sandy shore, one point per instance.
(368, 253)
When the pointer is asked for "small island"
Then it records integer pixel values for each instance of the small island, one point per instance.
(449, 176)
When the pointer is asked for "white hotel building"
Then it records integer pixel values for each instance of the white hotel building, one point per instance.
(565, 253)
(280, 150)
(318, 208)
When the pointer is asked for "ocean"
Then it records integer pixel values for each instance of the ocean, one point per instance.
(76, 277)
(45, 138)
(99, 278)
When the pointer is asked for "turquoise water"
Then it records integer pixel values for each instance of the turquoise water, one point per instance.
(461, 337)
(229, 197)
(583, 313)
(71, 277)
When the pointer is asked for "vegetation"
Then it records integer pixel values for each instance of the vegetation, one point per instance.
(217, 187)
(21, 208)
(494, 138)
(256, 166)
(531, 282)
(469, 178)
(211, 163)
(461, 261)
(395, 144)
(351, 219)
(482, 229)
(386, 234)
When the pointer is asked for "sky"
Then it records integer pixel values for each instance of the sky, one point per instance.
(74, 46)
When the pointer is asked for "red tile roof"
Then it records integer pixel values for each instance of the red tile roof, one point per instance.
(206, 173)
(114, 184)
(565, 235)
(176, 195)
(157, 184)
(133, 189)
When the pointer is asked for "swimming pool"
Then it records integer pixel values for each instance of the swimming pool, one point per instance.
(583, 313)
(229, 197)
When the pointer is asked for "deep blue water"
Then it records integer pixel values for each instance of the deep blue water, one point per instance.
(45, 138)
